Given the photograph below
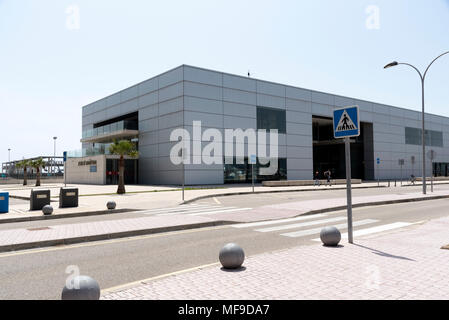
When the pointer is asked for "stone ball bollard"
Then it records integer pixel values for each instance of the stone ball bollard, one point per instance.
(47, 210)
(330, 236)
(111, 205)
(231, 256)
(81, 288)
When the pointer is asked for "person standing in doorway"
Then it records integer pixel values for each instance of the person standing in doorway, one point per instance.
(327, 174)
(317, 178)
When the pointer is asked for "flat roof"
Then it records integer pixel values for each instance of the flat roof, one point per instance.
(256, 79)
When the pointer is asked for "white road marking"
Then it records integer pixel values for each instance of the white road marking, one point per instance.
(377, 229)
(218, 211)
(300, 225)
(216, 200)
(264, 223)
(309, 232)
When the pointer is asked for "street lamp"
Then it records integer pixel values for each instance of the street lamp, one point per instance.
(54, 154)
(423, 77)
(9, 155)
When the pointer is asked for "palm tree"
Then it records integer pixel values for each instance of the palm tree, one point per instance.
(123, 148)
(38, 164)
(24, 164)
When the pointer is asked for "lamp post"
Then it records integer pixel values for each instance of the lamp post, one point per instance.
(54, 155)
(9, 159)
(423, 77)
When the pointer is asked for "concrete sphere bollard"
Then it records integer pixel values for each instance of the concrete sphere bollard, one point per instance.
(330, 236)
(231, 256)
(82, 288)
(111, 205)
(47, 210)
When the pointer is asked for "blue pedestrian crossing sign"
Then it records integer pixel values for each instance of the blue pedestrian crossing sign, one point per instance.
(346, 122)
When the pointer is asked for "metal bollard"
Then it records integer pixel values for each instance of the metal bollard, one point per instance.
(330, 236)
(82, 288)
(231, 256)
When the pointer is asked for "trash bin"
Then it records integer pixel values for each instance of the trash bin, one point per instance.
(4, 202)
(39, 199)
(68, 197)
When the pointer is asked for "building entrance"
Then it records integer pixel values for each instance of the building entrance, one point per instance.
(329, 153)
(112, 170)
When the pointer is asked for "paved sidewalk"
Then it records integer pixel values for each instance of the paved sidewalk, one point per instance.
(407, 264)
(70, 233)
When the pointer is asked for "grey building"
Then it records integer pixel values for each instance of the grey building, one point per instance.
(149, 111)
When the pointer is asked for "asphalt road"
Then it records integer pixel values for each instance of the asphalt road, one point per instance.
(41, 273)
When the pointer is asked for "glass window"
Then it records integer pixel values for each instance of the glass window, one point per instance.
(269, 118)
(433, 138)
(235, 173)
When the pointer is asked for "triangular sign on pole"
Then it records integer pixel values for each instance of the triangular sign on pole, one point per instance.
(345, 123)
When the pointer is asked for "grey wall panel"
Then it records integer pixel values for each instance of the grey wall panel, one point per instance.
(149, 151)
(113, 100)
(298, 152)
(170, 120)
(202, 76)
(237, 109)
(298, 105)
(298, 94)
(129, 93)
(147, 138)
(300, 129)
(270, 88)
(171, 77)
(170, 106)
(203, 105)
(203, 91)
(343, 102)
(270, 101)
(240, 83)
(239, 96)
(148, 99)
(197, 177)
(170, 92)
(322, 98)
(148, 86)
(299, 117)
(148, 125)
(207, 119)
(300, 164)
(322, 110)
(299, 174)
(129, 106)
(113, 112)
(364, 106)
(299, 141)
(171, 178)
(233, 122)
(148, 112)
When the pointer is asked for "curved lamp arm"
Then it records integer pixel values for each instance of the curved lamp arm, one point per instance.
(433, 62)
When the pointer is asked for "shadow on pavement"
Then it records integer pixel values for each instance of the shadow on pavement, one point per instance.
(384, 254)
(233, 270)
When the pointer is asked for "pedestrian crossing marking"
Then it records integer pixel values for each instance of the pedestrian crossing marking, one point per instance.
(192, 210)
(309, 232)
(381, 228)
(180, 208)
(300, 225)
(219, 211)
(264, 223)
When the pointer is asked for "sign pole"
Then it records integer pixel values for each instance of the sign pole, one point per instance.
(252, 175)
(65, 168)
(348, 187)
